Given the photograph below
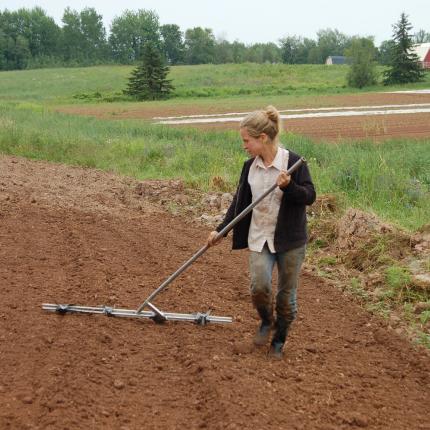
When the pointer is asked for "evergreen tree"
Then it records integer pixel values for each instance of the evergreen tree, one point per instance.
(148, 81)
(404, 64)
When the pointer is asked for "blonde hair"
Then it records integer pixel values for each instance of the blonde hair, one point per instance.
(265, 121)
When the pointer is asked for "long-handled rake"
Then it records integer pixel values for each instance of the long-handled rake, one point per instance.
(156, 314)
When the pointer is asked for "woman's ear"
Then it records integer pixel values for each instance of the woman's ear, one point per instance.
(264, 138)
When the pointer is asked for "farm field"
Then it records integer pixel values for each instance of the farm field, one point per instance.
(334, 118)
(75, 227)
(82, 236)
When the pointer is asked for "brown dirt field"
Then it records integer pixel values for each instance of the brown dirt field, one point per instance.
(82, 236)
(332, 129)
(378, 127)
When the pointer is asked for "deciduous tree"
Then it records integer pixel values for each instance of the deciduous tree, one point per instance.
(173, 43)
(361, 56)
(131, 31)
(199, 45)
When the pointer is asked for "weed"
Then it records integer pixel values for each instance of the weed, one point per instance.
(424, 339)
(425, 317)
(327, 261)
(398, 280)
(357, 288)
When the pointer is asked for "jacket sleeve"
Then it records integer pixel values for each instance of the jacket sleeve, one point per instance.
(301, 189)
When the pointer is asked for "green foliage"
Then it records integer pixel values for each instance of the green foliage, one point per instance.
(362, 70)
(31, 39)
(385, 52)
(173, 43)
(404, 63)
(398, 279)
(83, 36)
(425, 317)
(200, 45)
(296, 49)
(148, 81)
(131, 32)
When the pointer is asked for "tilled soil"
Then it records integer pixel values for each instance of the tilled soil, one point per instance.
(70, 235)
(374, 127)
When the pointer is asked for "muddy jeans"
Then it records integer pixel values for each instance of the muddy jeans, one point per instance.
(261, 267)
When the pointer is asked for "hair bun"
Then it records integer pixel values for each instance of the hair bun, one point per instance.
(272, 114)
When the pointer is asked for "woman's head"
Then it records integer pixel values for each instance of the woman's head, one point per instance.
(260, 129)
(260, 122)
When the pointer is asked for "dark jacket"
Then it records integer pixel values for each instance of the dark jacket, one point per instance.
(290, 229)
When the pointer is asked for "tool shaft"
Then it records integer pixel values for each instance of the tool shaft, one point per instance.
(223, 232)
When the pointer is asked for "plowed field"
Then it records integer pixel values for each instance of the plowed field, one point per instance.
(79, 236)
(372, 126)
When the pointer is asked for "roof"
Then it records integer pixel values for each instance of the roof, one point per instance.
(421, 50)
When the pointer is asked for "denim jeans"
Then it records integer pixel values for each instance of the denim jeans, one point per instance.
(289, 264)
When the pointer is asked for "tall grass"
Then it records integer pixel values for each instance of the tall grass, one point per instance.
(390, 178)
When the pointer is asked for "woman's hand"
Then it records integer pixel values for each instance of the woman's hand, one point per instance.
(283, 179)
(211, 238)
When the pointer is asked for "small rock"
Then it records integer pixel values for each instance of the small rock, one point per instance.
(181, 199)
(118, 384)
(28, 400)
(395, 320)
(312, 349)
(226, 200)
(215, 202)
(421, 307)
(422, 281)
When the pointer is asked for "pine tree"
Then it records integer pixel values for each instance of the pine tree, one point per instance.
(404, 64)
(148, 81)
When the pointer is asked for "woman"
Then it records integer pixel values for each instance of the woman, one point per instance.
(275, 231)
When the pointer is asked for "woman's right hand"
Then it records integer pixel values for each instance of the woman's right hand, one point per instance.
(212, 238)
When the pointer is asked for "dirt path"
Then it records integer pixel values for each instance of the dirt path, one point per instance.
(82, 236)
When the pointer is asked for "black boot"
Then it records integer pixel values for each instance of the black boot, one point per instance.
(277, 345)
(263, 332)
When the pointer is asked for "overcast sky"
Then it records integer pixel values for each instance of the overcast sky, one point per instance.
(258, 21)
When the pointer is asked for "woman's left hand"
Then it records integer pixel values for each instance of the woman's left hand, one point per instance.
(283, 179)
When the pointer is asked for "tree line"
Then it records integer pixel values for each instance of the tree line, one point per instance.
(29, 38)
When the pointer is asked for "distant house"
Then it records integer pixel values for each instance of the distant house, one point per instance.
(423, 52)
(335, 59)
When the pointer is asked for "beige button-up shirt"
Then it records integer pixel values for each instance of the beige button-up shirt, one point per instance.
(265, 214)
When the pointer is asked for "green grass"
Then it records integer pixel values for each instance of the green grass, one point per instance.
(390, 178)
(105, 83)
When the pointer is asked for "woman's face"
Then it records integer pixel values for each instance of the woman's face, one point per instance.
(252, 145)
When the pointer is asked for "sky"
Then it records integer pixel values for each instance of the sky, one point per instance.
(258, 21)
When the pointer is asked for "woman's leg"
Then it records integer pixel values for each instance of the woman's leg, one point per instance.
(289, 267)
(261, 268)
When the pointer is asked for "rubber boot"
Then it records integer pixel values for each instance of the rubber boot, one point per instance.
(279, 337)
(263, 331)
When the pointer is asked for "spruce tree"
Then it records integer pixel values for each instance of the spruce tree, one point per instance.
(404, 65)
(148, 81)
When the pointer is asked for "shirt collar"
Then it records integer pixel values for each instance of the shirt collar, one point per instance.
(276, 163)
